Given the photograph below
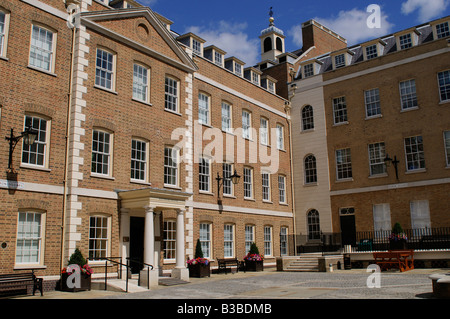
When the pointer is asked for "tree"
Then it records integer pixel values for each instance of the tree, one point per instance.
(254, 249)
(77, 258)
(198, 250)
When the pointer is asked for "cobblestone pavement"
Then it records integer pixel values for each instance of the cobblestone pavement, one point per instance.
(343, 284)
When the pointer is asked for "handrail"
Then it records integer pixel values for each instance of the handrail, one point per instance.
(143, 264)
(110, 259)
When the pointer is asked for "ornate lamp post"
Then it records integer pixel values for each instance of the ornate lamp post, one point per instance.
(29, 137)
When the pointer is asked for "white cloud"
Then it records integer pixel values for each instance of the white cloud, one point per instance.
(352, 25)
(147, 3)
(428, 9)
(231, 38)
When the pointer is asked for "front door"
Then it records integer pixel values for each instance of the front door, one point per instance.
(137, 227)
(348, 230)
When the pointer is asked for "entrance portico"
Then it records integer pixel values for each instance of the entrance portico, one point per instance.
(149, 203)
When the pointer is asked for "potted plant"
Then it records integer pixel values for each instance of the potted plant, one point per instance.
(253, 260)
(397, 239)
(199, 267)
(77, 275)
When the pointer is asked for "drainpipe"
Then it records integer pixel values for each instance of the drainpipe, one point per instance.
(288, 109)
(66, 163)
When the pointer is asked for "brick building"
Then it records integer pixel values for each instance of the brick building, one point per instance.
(135, 124)
(371, 137)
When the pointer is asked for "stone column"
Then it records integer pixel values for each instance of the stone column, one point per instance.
(180, 271)
(124, 238)
(149, 250)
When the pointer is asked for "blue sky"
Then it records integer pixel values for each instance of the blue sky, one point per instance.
(234, 26)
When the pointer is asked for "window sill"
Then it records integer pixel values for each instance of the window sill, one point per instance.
(382, 175)
(284, 204)
(413, 108)
(41, 70)
(35, 167)
(102, 176)
(173, 112)
(4, 58)
(444, 102)
(250, 199)
(307, 131)
(310, 184)
(142, 102)
(341, 123)
(344, 180)
(228, 132)
(267, 201)
(234, 197)
(105, 89)
(29, 266)
(374, 117)
(416, 171)
(169, 261)
(205, 193)
(136, 181)
(172, 187)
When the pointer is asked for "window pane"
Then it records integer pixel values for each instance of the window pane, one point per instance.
(35, 154)
(41, 49)
(100, 152)
(28, 243)
(98, 237)
(140, 83)
(104, 69)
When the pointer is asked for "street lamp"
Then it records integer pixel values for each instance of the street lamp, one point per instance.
(29, 137)
(220, 180)
(388, 161)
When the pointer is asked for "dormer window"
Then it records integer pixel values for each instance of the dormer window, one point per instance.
(339, 61)
(214, 54)
(238, 69)
(268, 83)
(308, 70)
(218, 58)
(255, 78)
(253, 75)
(234, 65)
(442, 30)
(405, 41)
(371, 52)
(197, 47)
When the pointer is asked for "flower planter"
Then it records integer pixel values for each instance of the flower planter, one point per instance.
(85, 283)
(199, 270)
(397, 244)
(254, 265)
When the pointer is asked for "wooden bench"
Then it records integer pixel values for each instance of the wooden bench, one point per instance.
(399, 259)
(14, 283)
(224, 263)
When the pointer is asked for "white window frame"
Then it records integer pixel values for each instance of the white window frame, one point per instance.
(170, 239)
(307, 118)
(218, 58)
(228, 241)
(282, 189)
(101, 230)
(444, 87)
(344, 166)
(268, 241)
(405, 41)
(381, 217)
(206, 239)
(313, 224)
(51, 52)
(370, 53)
(255, 78)
(308, 70)
(447, 147)
(310, 169)
(141, 82)
(408, 94)
(4, 33)
(264, 131)
(237, 69)
(414, 153)
(108, 69)
(108, 155)
(377, 154)
(372, 103)
(197, 47)
(284, 243)
(340, 115)
(204, 175)
(139, 158)
(227, 117)
(246, 124)
(171, 163)
(228, 186)
(41, 141)
(249, 237)
(280, 137)
(339, 61)
(420, 214)
(248, 182)
(204, 108)
(266, 187)
(27, 232)
(172, 94)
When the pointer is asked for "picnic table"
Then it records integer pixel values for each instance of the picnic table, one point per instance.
(400, 259)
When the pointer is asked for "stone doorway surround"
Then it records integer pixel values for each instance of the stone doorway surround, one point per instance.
(149, 202)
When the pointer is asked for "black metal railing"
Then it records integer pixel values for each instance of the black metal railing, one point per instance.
(119, 269)
(330, 243)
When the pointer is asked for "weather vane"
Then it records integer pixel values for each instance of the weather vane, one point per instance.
(271, 12)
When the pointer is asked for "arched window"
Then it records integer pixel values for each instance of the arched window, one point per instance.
(279, 44)
(307, 118)
(310, 169)
(267, 44)
(313, 225)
